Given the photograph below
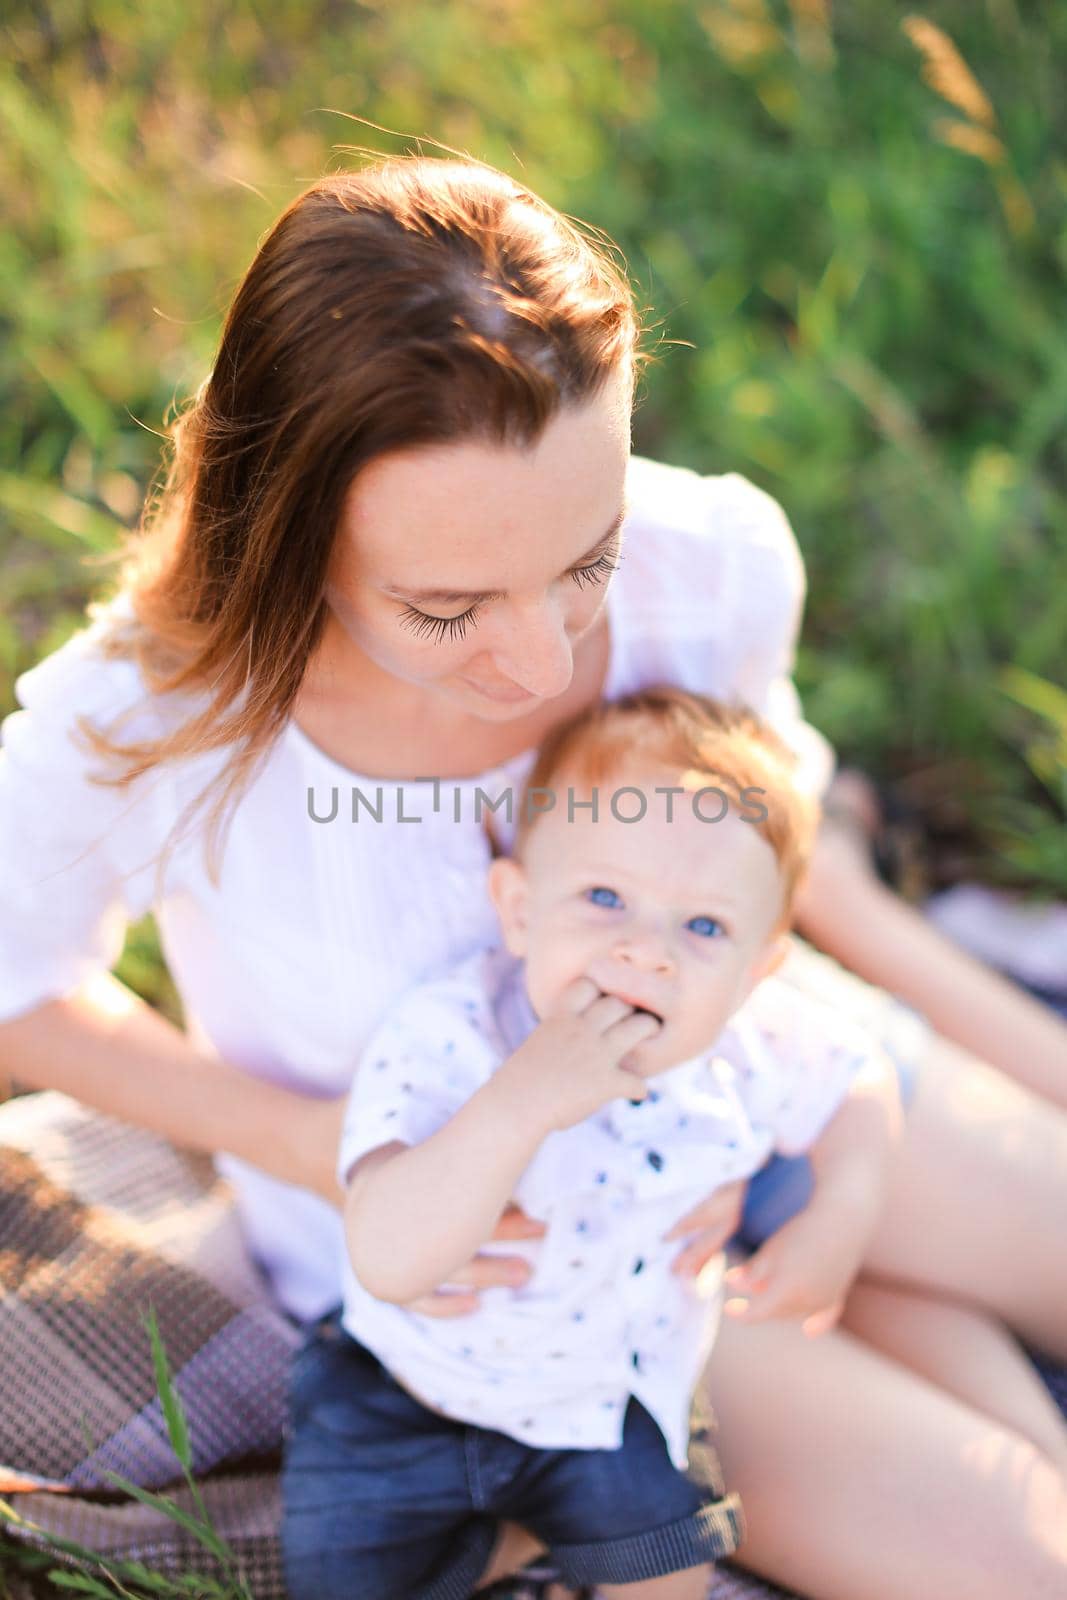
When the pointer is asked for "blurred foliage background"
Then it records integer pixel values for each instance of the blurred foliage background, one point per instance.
(847, 224)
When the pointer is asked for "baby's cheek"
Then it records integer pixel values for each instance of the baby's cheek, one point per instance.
(547, 978)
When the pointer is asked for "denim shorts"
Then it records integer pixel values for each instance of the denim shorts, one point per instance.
(384, 1499)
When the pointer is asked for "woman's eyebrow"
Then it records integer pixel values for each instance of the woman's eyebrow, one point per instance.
(453, 596)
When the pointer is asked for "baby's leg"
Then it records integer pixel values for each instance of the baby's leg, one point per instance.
(613, 1517)
(692, 1584)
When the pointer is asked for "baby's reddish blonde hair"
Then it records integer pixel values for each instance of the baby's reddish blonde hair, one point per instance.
(693, 738)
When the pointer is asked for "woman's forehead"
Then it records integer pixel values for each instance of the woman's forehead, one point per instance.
(475, 515)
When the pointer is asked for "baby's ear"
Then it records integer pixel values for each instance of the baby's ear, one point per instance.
(770, 960)
(507, 890)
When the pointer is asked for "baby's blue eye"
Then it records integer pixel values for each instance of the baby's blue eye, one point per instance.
(707, 927)
(603, 897)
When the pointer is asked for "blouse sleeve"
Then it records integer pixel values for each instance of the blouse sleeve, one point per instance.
(719, 574)
(77, 859)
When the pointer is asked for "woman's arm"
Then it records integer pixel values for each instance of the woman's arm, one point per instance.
(845, 909)
(104, 1046)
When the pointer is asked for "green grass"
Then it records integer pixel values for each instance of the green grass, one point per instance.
(852, 244)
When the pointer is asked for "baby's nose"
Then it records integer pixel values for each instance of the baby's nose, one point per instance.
(646, 951)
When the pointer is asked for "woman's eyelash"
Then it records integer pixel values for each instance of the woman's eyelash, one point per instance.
(424, 625)
(597, 570)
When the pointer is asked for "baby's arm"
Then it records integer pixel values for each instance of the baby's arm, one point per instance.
(850, 1157)
(414, 1214)
(807, 1268)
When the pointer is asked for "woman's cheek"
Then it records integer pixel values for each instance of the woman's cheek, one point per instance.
(401, 650)
(588, 608)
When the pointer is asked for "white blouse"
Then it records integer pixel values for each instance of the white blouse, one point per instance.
(315, 927)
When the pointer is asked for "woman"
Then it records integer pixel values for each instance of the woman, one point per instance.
(382, 556)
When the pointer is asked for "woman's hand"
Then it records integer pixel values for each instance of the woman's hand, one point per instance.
(483, 1271)
(712, 1224)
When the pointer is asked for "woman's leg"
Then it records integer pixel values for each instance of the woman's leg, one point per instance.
(846, 911)
(967, 1353)
(977, 1203)
(863, 1481)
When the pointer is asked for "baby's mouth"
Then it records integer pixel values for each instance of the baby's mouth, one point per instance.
(642, 1011)
(617, 984)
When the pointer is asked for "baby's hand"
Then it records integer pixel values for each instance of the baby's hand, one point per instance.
(574, 1061)
(804, 1270)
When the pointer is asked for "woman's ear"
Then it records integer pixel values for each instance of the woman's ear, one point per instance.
(507, 890)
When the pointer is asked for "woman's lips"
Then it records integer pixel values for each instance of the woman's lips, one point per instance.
(506, 693)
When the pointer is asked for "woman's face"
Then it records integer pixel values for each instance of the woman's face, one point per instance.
(473, 569)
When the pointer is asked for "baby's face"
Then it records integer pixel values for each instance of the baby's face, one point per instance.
(678, 918)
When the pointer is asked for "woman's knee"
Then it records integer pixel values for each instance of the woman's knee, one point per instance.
(978, 1190)
(838, 1451)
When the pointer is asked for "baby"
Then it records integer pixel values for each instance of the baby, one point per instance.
(603, 1071)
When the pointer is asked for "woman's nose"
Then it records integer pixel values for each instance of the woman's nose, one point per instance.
(535, 651)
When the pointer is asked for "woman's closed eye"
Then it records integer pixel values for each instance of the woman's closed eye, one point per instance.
(424, 625)
(597, 571)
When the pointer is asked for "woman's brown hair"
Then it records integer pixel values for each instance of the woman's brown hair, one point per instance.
(419, 301)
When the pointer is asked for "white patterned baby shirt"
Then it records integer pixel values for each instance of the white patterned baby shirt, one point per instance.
(602, 1317)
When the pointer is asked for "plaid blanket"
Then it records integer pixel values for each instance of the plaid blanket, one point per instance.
(99, 1221)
